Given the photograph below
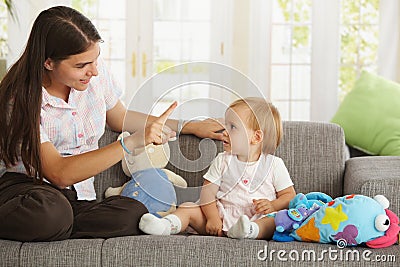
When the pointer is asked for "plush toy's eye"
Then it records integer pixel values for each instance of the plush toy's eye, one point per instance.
(382, 222)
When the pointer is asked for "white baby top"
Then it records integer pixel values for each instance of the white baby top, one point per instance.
(241, 182)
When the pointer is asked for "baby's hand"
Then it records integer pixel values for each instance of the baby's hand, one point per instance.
(263, 206)
(214, 227)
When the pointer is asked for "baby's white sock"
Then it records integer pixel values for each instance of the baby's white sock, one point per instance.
(244, 228)
(175, 223)
(152, 225)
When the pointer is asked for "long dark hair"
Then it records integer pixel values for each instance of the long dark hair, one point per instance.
(57, 33)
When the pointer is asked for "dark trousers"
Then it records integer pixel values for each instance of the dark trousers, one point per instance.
(30, 212)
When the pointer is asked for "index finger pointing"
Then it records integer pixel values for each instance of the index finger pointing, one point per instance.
(163, 118)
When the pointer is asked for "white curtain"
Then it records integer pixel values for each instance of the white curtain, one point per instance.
(325, 63)
(389, 40)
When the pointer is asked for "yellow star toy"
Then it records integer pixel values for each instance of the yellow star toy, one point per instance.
(334, 216)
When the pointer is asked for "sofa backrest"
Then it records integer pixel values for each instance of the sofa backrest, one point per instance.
(314, 153)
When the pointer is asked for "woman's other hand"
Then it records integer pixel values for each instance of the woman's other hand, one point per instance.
(208, 128)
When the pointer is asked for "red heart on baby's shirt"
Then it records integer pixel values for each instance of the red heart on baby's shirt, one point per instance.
(245, 181)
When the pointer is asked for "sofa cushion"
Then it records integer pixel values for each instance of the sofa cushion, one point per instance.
(9, 253)
(191, 157)
(308, 254)
(371, 176)
(370, 115)
(71, 252)
(314, 154)
(181, 250)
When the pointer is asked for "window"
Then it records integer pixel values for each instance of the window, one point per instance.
(3, 30)
(315, 52)
(3, 39)
(109, 17)
(291, 58)
(146, 37)
(181, 34)
(359, 37)
(303, 54)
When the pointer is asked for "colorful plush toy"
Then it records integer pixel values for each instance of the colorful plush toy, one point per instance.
(288, 220)
(310, 200)
(300, 208)
(346, 219)
(150, 184)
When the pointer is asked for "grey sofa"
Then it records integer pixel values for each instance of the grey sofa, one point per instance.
(317, 159)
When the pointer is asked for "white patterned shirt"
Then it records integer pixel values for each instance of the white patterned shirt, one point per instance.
(75, 127)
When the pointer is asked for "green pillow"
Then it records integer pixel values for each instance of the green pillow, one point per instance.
(370, 115)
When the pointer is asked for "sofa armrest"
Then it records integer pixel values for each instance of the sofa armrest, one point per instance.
(374, 175)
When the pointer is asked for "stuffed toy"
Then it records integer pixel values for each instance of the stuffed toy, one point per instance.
(345, 220)
(310, 200)
(288, 220)
(151, 184)
(300, 208)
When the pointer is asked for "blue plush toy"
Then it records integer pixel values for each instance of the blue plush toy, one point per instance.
(288, 220)
(300, 208)
(310, 200)
(150, 184)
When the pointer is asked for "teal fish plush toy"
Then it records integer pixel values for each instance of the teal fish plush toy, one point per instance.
(351, 220)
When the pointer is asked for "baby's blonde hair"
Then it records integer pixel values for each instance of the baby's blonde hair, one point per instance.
(263, 116)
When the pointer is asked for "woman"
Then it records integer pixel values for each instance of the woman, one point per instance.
(55, 102)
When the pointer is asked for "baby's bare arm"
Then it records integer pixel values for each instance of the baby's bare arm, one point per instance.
(209, 207)
(283, 198)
